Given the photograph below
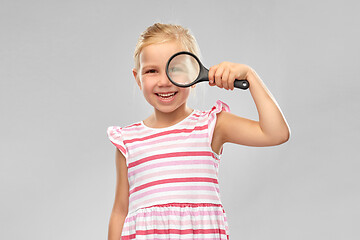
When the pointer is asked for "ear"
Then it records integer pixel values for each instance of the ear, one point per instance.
(136, 78)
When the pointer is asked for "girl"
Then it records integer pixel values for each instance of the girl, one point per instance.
(167, 165)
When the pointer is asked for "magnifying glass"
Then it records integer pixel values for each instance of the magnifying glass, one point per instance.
(184, 69)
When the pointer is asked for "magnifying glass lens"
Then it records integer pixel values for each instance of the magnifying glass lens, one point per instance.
(183, 69)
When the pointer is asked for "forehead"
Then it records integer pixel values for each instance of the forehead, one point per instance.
(159, 53)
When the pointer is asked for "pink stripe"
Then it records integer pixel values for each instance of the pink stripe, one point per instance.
(142, 221)
(177, 238)
(170, 155)
(178, 222)
(197, 128)
(187, 204)
(180, 206)
(172, 180)
(197, 118)
(209, 171)
(167, 139)
(141, 131)
(134, 128)
(156, 148)
(173, 189)
(177, 209)
(136, 132)
(134, 125)
(155, 200)
(193, 120)
(174, 231)
(121, 148)
(169, 163)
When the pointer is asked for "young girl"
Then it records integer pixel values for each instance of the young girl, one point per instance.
(167, 165)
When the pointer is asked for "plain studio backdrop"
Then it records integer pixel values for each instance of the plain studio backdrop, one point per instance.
(65, 71)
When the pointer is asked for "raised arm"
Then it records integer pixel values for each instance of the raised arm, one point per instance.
(271, 129)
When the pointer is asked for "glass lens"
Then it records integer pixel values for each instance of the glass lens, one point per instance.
(183, 69)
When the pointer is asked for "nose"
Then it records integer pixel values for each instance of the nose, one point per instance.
(163, 80)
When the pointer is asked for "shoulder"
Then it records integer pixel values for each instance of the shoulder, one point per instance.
(112, 130)
(216, 119)
(118, 132)
(222, 118)
(220, 125)
(218, 108)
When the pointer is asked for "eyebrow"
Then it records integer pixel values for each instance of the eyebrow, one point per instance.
(149, 66)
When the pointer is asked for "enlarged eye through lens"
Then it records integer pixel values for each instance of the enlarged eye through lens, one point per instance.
(183, 69)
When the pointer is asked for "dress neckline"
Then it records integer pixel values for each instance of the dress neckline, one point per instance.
(163, 128)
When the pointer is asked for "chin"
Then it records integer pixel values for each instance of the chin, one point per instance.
(166, 109)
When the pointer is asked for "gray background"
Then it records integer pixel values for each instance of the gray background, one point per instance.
(65, 70)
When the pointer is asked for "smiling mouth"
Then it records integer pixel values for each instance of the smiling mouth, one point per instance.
(166, 95)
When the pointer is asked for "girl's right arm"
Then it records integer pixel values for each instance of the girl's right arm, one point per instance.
(121, 203)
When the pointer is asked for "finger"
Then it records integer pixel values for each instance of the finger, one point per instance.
(231, 80)
(218, 75)
(212, 83)
(211, 75)
(225, 79)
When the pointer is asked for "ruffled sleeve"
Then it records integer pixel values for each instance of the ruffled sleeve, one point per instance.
(116, 137)
(218, 107)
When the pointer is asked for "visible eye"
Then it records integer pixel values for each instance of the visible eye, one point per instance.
(176, 69)
(150, 71)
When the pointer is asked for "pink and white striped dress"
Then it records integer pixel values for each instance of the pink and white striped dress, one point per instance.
(173, 179)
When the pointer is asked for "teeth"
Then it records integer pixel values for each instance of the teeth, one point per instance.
(166, 95)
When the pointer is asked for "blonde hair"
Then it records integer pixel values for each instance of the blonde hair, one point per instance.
(161, 33)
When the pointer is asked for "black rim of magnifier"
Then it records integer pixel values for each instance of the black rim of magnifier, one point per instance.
(177, 54)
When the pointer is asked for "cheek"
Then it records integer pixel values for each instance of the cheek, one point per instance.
(184, 91)
(147, 85)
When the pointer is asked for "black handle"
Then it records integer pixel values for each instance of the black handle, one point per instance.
(242, 84)
(204, 73)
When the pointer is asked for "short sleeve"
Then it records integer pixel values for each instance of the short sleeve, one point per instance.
(116, 137)
(218, 107)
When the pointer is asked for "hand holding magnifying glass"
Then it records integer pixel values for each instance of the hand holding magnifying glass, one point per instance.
(184, 69)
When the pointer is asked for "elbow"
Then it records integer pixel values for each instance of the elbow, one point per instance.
(120, 211)
(284, 137)
(279, 139)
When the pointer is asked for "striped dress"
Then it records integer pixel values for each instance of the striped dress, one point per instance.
(173, 179)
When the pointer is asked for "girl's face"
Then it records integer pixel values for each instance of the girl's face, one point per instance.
(152, 80)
